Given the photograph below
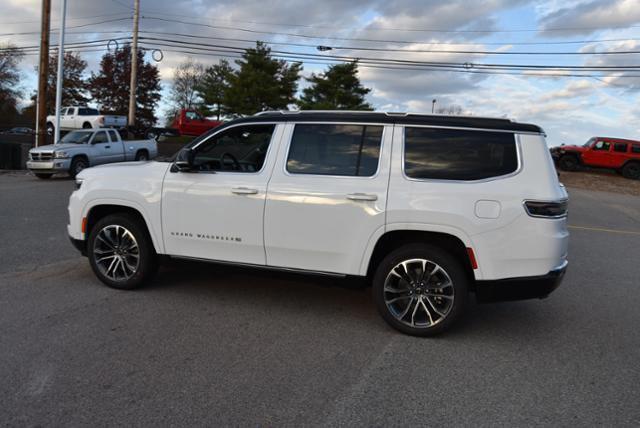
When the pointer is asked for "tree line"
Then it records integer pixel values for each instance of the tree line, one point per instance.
(255, 82)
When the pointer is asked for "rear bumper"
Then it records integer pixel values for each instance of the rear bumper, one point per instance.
(531, 287)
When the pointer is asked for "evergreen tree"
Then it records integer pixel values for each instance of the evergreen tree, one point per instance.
(110, 86)
(338, 88)
(213, 86)
(260, 83)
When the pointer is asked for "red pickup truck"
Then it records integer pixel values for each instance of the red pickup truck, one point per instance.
(601, 152)
(190, 122)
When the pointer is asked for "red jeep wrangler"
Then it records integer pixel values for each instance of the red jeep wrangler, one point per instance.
(601, 152)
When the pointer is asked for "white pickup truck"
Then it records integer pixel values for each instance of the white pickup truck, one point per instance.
(81, 117)
(88, 147)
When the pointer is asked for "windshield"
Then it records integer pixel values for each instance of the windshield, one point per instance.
(76, 137)
(589, 143)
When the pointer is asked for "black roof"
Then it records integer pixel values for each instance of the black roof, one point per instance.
(399, 118)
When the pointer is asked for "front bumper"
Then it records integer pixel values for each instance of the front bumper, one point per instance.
(531, 287)
(52, 166)
(79, 244)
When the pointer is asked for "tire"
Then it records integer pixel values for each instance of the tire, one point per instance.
(86, 125)
(142, 155)
(631, 170)
(121, 253)
(51, 129)
(431, 309)
(77, 165)
(568, 163)
(44, 176)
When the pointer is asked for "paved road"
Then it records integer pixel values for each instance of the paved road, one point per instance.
(211, 346)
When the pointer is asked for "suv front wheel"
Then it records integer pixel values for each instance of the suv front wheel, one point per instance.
(120, 252)
(420, 289)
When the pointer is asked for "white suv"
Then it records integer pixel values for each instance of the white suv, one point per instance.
(429, 208)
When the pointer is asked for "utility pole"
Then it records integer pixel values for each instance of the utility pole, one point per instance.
(134, 65)
(59, 83)
(43, 74)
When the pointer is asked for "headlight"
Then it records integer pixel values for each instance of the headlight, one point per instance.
(78, 183)
(61, 155)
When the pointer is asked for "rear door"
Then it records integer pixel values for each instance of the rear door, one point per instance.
(327, 196)
(619, 154)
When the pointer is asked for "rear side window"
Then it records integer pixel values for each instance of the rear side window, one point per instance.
(113, 136)
(620, 147)
(349, 150)
(635, 149)
(87, 112)
(451, 154)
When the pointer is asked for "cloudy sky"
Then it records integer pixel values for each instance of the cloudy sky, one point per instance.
(572, 105)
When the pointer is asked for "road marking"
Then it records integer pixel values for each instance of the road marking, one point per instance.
(601, 229)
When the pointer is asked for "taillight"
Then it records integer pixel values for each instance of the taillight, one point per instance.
(546, 209)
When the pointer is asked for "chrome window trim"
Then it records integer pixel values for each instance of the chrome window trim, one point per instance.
(368, 177)
(517, 171)
(266, 156)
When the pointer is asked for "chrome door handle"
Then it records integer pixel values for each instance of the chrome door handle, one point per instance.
(244, 191)
(362, 197)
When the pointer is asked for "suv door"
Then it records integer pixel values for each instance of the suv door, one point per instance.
(598, 154)
(327, 196)
(216, 210)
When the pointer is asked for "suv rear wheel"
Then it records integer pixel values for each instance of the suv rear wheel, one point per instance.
(121, 253)
(631, 170)
(420, 289)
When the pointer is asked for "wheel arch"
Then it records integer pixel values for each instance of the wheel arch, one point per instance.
(99, 210)
(451, 240)
(84, 125)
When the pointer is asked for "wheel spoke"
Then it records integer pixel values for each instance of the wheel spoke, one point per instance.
(116, 253)
(396, 299)
(396, 290)
(442, 315)
(427, 312)
(413, 314)
(406, 310)
(101, 259)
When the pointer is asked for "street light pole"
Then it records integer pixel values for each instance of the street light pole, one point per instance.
(433, 106)
(43, 74)
(134, 65)
(59, 83)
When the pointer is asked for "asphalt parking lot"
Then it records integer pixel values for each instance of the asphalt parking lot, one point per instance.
(204, 345)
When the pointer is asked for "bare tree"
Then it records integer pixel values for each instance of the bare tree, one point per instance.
(187, 78)
(10, 57)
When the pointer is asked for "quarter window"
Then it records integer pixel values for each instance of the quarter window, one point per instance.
(449, 154)
(238, 149)
(347, 150)
(620, 147)
(635, 149)
(113, 136)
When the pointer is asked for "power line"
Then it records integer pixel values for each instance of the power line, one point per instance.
(26, 33)
(70, 19)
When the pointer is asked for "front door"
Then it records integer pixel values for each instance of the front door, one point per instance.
(327, 196)
(598, 154)
(102, 151)
(216, 211)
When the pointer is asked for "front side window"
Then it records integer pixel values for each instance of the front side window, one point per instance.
(238, 149)
(602, 146)
(635, 148)
(620, 147)
(191, 115)
(100, 137)
(451, 154)
(323, 149)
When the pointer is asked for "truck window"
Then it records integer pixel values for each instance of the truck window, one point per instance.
(238, 149)
(451, 154)
(620, 147)
(192, 115)
(88, 112)
(347, 150)
(113, 136)
(100, 137)
(602, 146)
(635, 148)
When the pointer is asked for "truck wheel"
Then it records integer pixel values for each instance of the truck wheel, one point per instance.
(77, 165)
(631, 170)
(86, 125)
(568, 163)
(44, 176)
(142, 155)
(420, 290)
(121, 253)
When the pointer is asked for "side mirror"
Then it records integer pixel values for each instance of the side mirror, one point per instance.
(184, 160)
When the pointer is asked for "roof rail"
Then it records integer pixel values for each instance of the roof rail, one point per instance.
(387, 113)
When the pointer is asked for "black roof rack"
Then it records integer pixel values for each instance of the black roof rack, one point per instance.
(393, 117)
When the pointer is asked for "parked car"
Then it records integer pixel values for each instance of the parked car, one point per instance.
(20, 130)
(428, 208)
(601, 152)
(190, 122)
(82, 117)
(84, 148)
